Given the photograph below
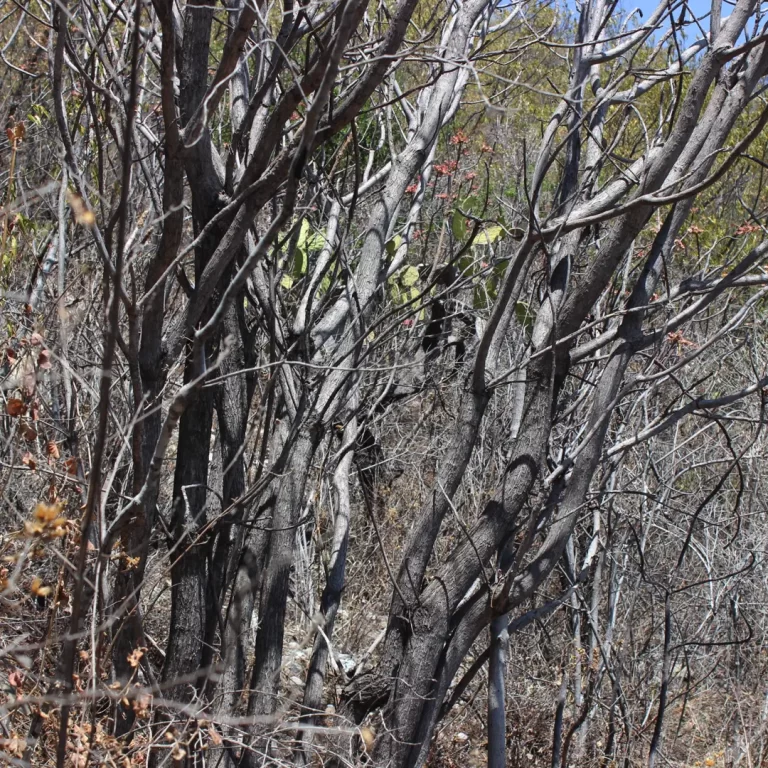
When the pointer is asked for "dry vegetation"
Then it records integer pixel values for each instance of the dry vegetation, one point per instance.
(383, 384)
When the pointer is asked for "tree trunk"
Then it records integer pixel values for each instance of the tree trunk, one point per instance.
(497, 698)
(188, 555)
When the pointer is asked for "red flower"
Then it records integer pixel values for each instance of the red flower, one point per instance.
(444, 169)
(459, 138)
(747, 229)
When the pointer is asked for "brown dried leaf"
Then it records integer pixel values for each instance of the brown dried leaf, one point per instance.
(29, 380)
(83, 215)
(16, 678)
(32, 528)
(38, 589)
(44, 360)
(15, 746)
(46, 512)
(58, 528)
(15, 407)
(368, 737)
(28, 460)
(134, 657)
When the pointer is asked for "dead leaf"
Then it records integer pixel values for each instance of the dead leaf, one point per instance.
(29, 383)
(368, 736)
(15, 407)
(83, 215)
(216, 739)
(33, 529)
(134, 657)
(16, 678)
(46, 513)
(44, 360)
(14, 746)
(52, 449)
(28, 460)
(38, 589)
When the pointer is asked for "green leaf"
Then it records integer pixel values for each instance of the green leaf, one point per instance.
(467, 265)
(300, 263)
(480, 298)
(524, 315)
(472, 204)
(300, 255)
(316, 241)
(393, 244)
(402, 285)
(489, 235)
(308, 241)
(25, 225)
(492, 287)
(301, 243)
(409, 276)
(458, 226)
(287, 282)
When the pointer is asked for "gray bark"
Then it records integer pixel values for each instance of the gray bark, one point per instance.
(331, 598)
(497, 708)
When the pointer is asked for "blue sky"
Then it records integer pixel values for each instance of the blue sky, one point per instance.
(697, 7)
